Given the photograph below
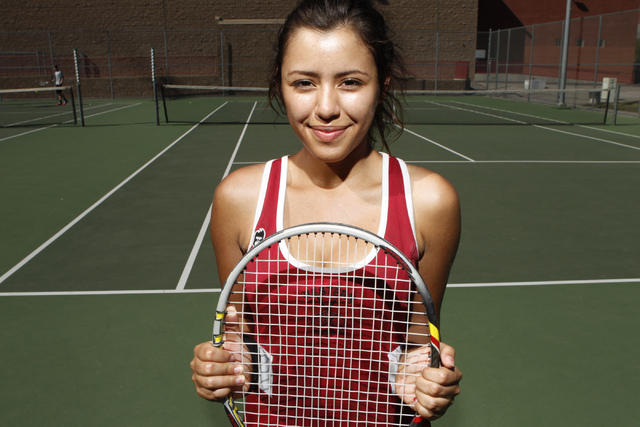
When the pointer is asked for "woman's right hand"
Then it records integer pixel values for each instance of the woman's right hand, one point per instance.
(219, 371)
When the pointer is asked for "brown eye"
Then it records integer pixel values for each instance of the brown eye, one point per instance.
(352, 83)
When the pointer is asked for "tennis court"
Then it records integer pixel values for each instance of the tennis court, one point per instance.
(108, 276)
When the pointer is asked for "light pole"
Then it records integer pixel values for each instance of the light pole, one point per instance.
(565, 55)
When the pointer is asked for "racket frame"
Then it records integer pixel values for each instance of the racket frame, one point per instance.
(327, 228)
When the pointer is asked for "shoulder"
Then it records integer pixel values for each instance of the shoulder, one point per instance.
(234, 205)
(240, 189)
(436, 208)
(430, 189)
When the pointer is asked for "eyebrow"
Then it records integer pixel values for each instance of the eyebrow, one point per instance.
(315, 74)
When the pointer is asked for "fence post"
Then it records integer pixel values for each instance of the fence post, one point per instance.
(533, 33)
(53, 62)
(222, 55)
(506, 70)
(564, 60)
(498, 59)
(489, 60)
(109, 60)
(595, 71)
(166, 56)
(437, 47)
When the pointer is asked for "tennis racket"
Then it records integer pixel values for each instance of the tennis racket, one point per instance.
(332, 325)
(43, 82)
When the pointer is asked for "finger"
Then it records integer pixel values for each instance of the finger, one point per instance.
(212, 369)
(431, 408)
(232, 326)
(447, 355)
(207, 352)
(442, 377)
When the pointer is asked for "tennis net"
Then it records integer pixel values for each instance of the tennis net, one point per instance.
(218, 105)
(239, 105)
(507, 107)
(37, 107)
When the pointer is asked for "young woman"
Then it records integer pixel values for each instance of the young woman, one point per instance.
(332, 75)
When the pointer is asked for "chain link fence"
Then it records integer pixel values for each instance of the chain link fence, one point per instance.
(118, 63)
(603, 46)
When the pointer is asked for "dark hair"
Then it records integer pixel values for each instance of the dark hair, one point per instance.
(368, 24)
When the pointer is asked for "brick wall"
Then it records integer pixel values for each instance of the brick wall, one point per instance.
(114, 37)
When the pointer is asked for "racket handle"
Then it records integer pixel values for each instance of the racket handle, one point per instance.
(232, 412)
(417, 421)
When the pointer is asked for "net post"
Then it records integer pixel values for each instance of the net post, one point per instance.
(75, 62)
(164, 104)
(606, 107)
(73, 106)
(155, 88)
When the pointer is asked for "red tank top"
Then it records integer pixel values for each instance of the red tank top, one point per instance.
(286, 386)
(396, 212)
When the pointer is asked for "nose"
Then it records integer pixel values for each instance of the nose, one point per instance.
(327, 104)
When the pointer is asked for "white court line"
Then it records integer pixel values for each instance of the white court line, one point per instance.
(439, 145)
(205, 225)
(539, 126)
(68, 121)
(548, 119)
(42, 247)
(217, 290)
(588, 162)
(541, 283)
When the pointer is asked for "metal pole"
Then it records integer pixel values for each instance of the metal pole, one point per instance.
(110, 68)
(595, 72)
(489, 61)
(562, 84)
(533, 33)
(436, 76)
(615, 105)
(53, 62)
(75, 61)
(166, 54)
(222, 54)
(498, 59)
(506, 71)
(437, 42)
(153, 79)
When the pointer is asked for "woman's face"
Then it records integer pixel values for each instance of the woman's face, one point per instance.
(330, 91)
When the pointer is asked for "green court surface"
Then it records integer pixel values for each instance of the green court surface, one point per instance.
(107, 275)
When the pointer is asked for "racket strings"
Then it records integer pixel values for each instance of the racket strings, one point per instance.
(330, 335)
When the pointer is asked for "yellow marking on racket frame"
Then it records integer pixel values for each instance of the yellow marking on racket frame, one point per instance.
(434, 331)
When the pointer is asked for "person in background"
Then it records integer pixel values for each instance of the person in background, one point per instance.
(58, 80)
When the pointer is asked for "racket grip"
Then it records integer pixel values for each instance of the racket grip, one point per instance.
(232, 412)
(418, 421)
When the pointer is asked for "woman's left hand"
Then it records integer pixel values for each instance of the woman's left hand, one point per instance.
(436, 388)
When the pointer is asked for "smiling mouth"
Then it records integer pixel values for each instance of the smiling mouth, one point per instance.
(328, 134)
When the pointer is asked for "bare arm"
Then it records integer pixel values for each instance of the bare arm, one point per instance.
(216, 371)
(437, 217)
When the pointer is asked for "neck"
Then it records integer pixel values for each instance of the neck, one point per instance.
(329, 175)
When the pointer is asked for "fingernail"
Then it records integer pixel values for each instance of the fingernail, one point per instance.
(240, 380)
(232, 358)
(237, 370)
